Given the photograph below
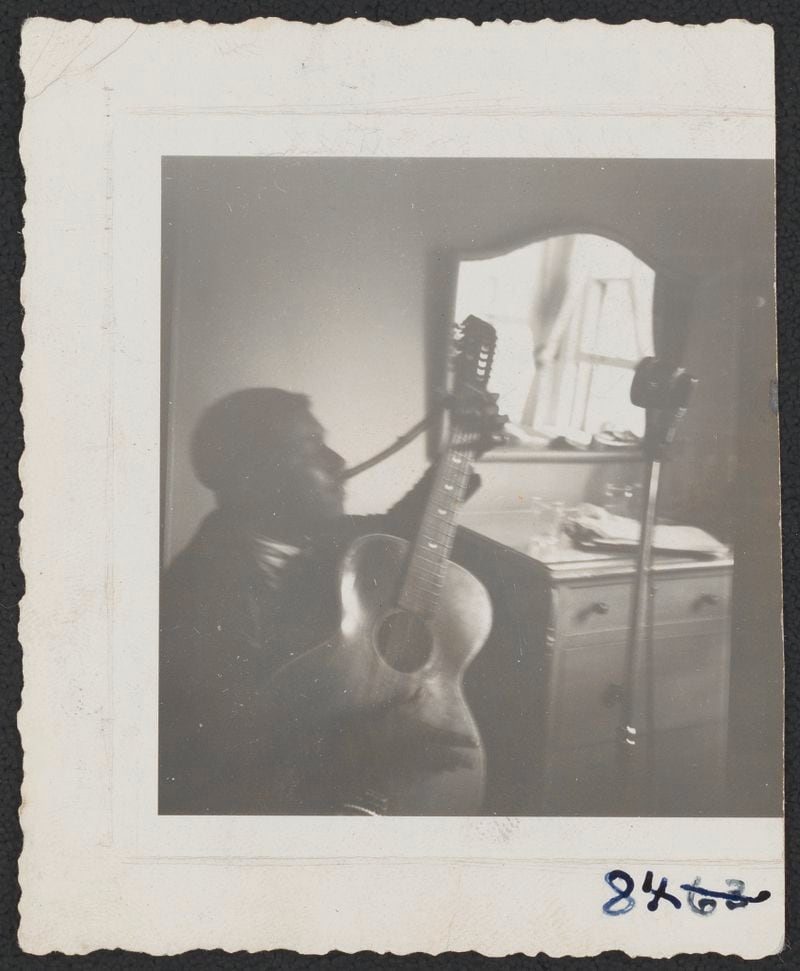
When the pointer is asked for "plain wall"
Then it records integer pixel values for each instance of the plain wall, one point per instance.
(300, 275)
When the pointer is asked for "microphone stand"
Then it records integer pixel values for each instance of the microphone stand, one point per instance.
(664, 393)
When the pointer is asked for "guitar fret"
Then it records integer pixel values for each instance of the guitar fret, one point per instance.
(430, 556)
(450, 500)
(434, 578)
(437, 525)
(435, 530)
(449, 515)
(436, 546)
(442, 546)
(453, 486)
(426, 577)
(426, 560)
(430, 571)
(421, 594)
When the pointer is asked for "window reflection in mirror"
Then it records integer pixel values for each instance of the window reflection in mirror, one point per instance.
(574, 316)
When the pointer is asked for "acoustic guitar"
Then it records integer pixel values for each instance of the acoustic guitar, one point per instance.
(411, 623)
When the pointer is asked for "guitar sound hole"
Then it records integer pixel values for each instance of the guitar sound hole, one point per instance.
(404, 641)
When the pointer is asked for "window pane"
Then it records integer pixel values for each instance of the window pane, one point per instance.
(609, 401)
(616, 326)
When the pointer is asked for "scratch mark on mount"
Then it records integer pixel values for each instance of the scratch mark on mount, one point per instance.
(67, 66)
(115, 49)
(42, 51)
(91, 67)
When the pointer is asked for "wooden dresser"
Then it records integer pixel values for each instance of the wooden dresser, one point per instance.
(548, 686)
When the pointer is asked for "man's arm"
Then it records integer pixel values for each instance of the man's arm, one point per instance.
(475, 411)
(403, 518)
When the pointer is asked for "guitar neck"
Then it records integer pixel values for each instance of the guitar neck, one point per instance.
(473, 353)
(431, 550)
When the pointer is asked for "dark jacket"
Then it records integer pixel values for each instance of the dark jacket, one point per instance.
(224, 631)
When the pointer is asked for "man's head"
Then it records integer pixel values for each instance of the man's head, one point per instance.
(263, 454)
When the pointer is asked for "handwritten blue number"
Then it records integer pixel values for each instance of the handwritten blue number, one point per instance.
(739, 899)
(623, 893)
(660, 892)
(704, 905)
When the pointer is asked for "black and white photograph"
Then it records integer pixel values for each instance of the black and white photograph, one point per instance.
(468, 488)
(401, 514)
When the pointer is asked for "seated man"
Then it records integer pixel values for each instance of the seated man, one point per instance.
(255, 587)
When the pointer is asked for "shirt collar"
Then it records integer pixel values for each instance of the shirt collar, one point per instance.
(272, 557)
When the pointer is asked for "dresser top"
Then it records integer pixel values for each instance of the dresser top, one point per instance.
(514, 531)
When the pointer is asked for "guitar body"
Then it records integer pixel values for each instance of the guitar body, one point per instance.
(394, 664)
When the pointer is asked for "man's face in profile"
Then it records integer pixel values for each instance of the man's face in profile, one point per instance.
(295, 482)
(263, 454)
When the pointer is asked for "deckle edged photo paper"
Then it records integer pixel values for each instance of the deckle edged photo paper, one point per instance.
(401, 502)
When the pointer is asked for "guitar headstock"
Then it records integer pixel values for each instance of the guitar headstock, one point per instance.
(474, 342)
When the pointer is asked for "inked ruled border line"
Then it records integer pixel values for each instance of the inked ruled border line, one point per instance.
(717, 113)
(501, 861)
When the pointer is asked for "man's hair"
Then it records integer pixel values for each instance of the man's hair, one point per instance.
(235, 429)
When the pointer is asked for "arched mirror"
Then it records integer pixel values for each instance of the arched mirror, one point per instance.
(574, 316)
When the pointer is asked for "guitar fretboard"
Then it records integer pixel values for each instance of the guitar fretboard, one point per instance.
(434, 543)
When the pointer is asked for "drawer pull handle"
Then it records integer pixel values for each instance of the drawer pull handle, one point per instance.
(599, 607)
(707, 600)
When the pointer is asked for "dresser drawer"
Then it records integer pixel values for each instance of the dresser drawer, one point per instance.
(587, 687)
(688, 598)
(599, 608)
(584, 696)
(593, 608)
